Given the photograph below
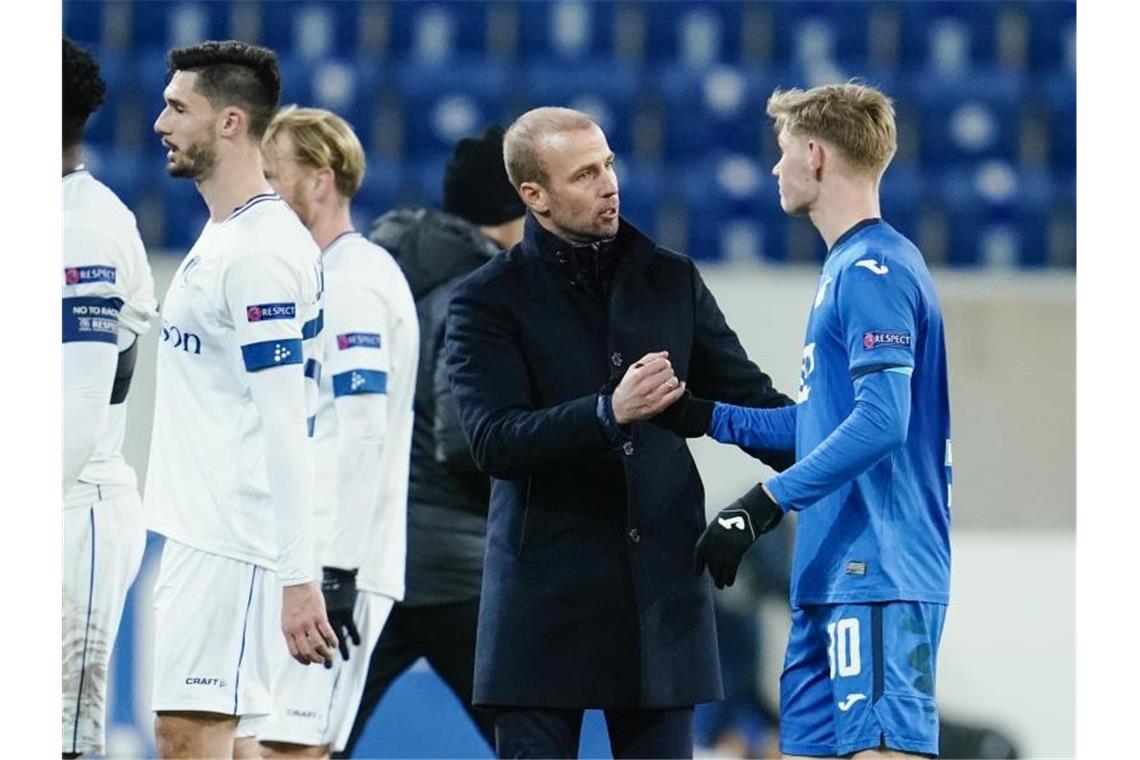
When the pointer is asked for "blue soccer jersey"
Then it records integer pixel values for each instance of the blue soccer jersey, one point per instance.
(883, 535)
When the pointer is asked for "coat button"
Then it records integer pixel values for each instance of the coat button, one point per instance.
(616, 358)
(634, 536)
(627, 447)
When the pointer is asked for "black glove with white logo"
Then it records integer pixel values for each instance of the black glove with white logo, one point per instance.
(339, 589)
(732, 531)
(688, 416)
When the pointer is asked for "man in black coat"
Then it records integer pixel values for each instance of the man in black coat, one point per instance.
(482, 215)
(559, 350)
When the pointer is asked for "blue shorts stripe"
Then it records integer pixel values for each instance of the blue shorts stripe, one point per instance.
(876, 653)
(360, 381)
(86, 633)
(313, 370)
(271, 353)
(241, 651)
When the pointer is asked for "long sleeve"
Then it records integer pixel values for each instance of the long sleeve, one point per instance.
(263, 294)
(88, 374)
(489, 380)
(876, 426)
(754, 428)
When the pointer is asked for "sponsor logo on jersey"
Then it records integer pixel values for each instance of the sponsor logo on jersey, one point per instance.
(873, 266)
(267, 311)
(850, 701)
(301, 713)
(178, 338)
(196, 681)
(358, 340)
(94, 273)
(873, 339)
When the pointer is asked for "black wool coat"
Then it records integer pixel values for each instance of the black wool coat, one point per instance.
(588, 598)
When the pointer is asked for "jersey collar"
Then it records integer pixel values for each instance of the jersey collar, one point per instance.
(861, 225)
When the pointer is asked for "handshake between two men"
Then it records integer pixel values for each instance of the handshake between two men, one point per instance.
(650, 391)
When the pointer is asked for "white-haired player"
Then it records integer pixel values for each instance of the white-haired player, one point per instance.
(363, 428)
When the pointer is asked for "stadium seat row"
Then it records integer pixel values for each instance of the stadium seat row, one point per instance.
(950, 34)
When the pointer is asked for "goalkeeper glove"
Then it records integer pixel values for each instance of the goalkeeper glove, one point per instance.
(732, 531)
(339, 589)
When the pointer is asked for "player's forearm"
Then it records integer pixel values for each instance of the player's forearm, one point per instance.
(876, 426)
(88, 374)
(279, 395)
(361, 428)
(753, 428)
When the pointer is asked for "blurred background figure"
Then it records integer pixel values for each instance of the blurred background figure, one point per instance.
(447, 501)
(984, 183)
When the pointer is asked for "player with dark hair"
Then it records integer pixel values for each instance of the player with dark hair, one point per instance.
(108, 302)
(871, 572)
(230, 482)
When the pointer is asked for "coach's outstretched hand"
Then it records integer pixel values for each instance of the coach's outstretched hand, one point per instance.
(688, 417)
(732, 531)
(339, 588)
(305, 624)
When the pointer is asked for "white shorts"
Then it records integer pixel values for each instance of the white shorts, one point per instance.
(102, 549)
(217, 621)
(316, 706)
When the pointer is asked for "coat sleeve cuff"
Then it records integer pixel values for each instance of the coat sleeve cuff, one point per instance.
(615, 433)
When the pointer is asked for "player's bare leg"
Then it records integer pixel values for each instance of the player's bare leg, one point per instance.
(247, 748)
(194, 734)
(285, 750)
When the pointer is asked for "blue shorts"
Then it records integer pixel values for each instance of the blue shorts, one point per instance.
(861, 676)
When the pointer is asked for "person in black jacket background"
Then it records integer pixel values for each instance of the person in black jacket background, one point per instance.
(559, 351)
(447, 495)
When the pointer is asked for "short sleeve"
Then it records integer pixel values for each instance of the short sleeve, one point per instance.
(262, 295)
(878, 308)
(357, 320)
(94, 287)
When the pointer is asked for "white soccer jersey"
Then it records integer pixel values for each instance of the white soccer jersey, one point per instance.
(371, 347)
(108, 296)
(246, 298)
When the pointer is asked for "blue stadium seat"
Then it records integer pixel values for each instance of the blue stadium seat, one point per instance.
(967, 118)
(162, 26)
(310, 30)
(380, 192)
(566, 29)
(184, 213)
(996, 215)
(642, 192)
(1052, 35)
(733, 210)
(1061, 107)
(610, 92)
(902, 196)
(949, 35)
(694, 32)
(347, 89)
(819, 30)
(441, 104)
(435, 31)
(83, 22)
(721, 106)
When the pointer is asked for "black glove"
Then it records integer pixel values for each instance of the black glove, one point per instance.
(339, 589)
(688, 416)
(732, 531)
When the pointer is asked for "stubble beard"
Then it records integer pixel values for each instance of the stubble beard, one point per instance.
(197, 163)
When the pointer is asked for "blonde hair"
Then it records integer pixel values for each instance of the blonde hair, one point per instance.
(520, 142)
(858, 119)
(323, 140)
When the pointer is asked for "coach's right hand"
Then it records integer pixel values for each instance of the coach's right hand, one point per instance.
(646, 389)
(306, 625)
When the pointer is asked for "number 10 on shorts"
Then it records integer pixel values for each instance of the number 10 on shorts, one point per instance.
(843, 648)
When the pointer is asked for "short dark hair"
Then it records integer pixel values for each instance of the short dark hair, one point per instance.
(83, 91)
(234, 73)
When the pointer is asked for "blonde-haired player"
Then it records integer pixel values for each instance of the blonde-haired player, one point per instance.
(363, 428)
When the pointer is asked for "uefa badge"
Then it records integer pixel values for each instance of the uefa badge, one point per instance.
(253, 313)
(71, 275)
